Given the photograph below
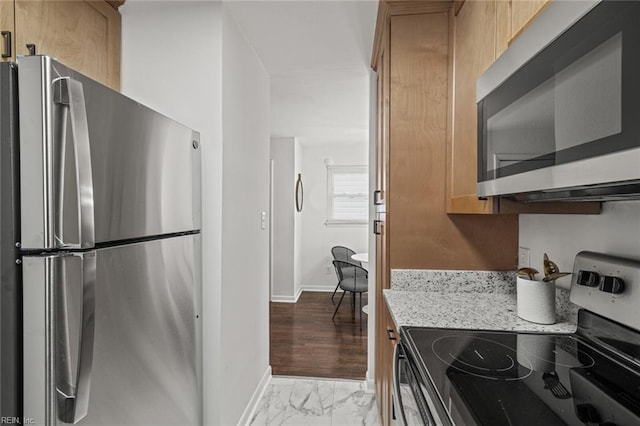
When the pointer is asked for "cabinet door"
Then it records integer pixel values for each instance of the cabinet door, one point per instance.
(382, 145)
(383, 365)
(523, 12)
(7, 44)
(84, 35)
(390, 340)
(503, 25)
(474, 36)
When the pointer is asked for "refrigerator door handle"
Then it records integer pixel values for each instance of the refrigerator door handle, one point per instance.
(73, 393)
(70, 94)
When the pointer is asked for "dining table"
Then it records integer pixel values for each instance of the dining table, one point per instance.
(363, 258)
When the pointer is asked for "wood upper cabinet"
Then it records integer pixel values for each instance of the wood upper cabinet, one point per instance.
(472, 49)
(478, 34)
(503, 26)
(85, 35)
(7, 42)
(523, 12)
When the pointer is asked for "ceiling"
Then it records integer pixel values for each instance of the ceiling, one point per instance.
(317, 54)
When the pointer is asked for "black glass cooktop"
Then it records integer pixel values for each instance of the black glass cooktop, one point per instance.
(506, 378)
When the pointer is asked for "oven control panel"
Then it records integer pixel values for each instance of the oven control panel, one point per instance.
(607, 285)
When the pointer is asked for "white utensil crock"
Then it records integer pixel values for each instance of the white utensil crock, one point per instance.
(536, 300)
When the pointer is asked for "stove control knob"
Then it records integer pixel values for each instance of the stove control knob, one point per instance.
(588, 278)
(611, 284)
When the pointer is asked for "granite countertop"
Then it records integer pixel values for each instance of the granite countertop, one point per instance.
(477, 300)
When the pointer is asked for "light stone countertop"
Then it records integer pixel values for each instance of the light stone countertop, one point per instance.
(478, 300)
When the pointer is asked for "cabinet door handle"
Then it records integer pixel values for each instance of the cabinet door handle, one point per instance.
(377, 197)
(390, 334)
(7, 44)
(32, 49)
(377, 227)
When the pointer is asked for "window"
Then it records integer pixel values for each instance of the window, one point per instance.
(348, 195)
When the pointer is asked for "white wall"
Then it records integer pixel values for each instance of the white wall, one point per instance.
(297, 224)
(188, 60)
(286, 221)
(615, 231)
(245, 245)
(317, 238)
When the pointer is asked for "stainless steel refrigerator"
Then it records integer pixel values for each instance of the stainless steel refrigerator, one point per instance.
(100, 307)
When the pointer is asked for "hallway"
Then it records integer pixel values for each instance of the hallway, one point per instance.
(305, 342)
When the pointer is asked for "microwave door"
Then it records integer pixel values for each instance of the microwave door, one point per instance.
(563, 125)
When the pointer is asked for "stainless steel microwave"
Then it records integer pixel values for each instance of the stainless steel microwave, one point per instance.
(559, 111)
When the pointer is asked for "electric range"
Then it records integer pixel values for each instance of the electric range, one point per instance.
(592, 377)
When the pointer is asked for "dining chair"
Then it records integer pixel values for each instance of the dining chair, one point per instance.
(357, 283)
(343, 254)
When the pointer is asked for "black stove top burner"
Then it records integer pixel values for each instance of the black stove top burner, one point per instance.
(481, 357)
(506, 378)
(541, 348)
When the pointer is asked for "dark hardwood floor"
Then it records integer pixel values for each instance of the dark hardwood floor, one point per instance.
(305, 342)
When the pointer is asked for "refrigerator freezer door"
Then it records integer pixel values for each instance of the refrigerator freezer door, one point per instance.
(124, 350)
(98, 167)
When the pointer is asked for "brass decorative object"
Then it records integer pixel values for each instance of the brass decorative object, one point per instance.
(551, 270)
(528, 272)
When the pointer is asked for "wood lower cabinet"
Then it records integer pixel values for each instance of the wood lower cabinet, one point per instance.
(383, 355)
(85, 35)
(384, 386)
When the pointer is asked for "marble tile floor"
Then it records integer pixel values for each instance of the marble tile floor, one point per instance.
(301, 401)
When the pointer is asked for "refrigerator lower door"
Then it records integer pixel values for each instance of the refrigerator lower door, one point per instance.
(112, 336)
(98, 167)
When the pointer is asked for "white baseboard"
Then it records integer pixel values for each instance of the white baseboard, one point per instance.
(287, 299)
(369, 383)
(323, 288)
(252, 406)
(284, 299)
(294, 299)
